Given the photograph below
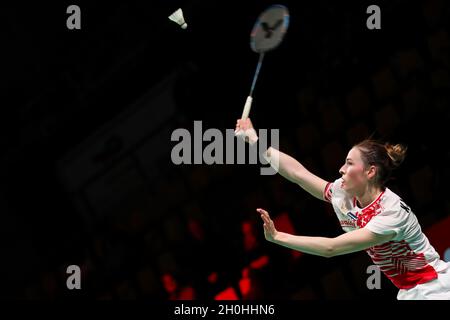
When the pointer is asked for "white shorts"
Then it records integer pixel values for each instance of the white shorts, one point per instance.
(437, 289)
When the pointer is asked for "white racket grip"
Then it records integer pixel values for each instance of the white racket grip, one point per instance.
(247, 107)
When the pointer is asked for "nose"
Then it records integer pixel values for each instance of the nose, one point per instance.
(341, 170)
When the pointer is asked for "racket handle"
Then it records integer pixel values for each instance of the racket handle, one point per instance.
(247, 107)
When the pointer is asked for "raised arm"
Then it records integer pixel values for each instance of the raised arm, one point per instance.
(288, 167)
(349, 242)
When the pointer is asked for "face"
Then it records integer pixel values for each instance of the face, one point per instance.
(354, 173)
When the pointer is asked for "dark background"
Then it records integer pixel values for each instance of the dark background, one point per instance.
(86, 118)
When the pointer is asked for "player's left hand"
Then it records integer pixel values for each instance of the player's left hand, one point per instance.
(269, 228)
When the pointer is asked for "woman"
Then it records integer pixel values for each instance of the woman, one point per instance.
(374, 218)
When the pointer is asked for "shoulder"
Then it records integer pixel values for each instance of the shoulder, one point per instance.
(333, 190)
(336, 185)
(393, 203)
(391, 215)
(337, 188)
(390, 201)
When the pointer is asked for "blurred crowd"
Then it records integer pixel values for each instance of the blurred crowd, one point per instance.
(196, 235)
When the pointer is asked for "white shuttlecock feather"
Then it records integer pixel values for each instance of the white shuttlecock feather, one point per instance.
(178, 18)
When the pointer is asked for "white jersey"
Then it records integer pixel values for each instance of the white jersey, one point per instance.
(408, 259)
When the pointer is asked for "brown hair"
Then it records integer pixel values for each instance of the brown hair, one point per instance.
(386, 157)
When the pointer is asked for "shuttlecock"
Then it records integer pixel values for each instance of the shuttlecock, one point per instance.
(178, 18)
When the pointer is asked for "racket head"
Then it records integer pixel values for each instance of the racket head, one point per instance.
(269, 28)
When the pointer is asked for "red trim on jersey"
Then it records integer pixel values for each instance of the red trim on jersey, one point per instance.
(326, 193)
(404, 267)
(369, 212)
(368, 206)
(401, 264)
(412, 278)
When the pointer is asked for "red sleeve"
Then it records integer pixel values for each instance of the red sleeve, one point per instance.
(327, 193)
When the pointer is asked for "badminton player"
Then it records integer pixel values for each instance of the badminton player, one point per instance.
(374, 218)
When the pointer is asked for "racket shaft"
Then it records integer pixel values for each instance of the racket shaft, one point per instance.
(247, 107)
(255, 76)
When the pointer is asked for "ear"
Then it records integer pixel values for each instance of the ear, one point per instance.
(371, 172)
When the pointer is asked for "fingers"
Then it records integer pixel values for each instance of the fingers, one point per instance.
(241, 124)
(264, 216)
(238, 125)
(263, 213)
(249, 123)
(260, 210)
(244, 124)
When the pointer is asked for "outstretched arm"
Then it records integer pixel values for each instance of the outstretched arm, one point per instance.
(295, 172)
(353, 241)
(288, 167)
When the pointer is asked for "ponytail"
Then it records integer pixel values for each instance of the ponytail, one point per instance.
(386, 157)
(396, 152)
